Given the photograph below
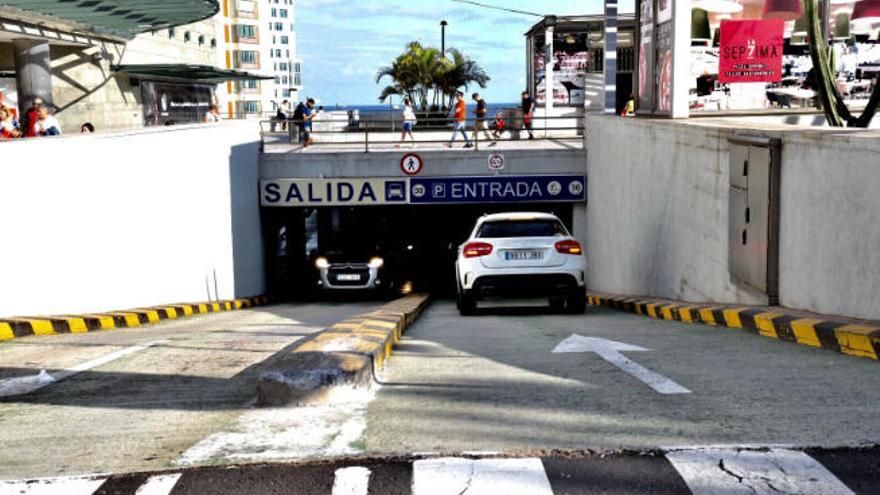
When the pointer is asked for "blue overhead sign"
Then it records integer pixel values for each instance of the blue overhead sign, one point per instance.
(498, 189)
(423, 190)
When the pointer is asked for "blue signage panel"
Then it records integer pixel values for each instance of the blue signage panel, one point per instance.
(498, 189)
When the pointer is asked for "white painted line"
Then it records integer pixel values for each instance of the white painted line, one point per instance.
(53, 486)
(27, 384)
(159, 485)
(712, 471)
(610, 350)
(351, 481)
(457, 476)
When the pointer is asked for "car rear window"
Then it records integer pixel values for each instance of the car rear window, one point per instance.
(521, 228)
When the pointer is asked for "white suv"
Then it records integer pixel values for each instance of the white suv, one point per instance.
(521, 254)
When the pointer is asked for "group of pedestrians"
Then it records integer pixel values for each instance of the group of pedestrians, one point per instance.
(38, 121)
(481, 120)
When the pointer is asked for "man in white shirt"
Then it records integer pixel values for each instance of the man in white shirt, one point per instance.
(47, 125)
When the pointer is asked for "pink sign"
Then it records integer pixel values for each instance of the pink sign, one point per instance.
(751, 51)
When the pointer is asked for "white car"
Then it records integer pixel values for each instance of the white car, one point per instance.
(521, 254)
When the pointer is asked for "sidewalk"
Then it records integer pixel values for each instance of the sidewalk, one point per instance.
(849, 336)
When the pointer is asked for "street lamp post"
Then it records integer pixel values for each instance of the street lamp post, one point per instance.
(443, 25)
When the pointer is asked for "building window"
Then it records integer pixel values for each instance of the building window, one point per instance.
(213, 42)
(187, 36)
(247, 58)
(274, 12)
(172, 32)
(250, 106)
(279, 26)
(284, 40)
(245, 32)
(283, 66)
(201, 40)
(283, 13)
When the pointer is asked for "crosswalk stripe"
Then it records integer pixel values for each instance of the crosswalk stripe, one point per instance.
(455, 475)
(351, 481)
(52, 486)
(159, 485)
(734, 471)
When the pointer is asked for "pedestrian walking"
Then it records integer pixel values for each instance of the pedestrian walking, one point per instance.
(308, 115)
(29, 123)
(409, 120)
(498, 126)
(460, 119)
(297, 123)
(528, 110)
(480, 123)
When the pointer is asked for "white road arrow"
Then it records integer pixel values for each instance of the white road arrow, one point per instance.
(610, 350)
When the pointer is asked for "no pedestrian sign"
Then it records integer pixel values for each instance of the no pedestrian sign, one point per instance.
(751, 51)
(411, 164)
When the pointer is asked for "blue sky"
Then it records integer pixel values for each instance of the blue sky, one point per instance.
(343, 43)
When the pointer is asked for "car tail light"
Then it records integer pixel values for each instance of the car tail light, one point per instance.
(477, 249)
(569, 247)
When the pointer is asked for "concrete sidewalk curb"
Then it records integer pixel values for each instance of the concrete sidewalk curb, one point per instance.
(348, 354)
(862, 340)
(11, 328)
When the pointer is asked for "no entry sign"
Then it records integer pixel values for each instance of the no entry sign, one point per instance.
(751, 51)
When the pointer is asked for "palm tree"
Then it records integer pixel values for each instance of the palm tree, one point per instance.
(460, 71)
(419, 71)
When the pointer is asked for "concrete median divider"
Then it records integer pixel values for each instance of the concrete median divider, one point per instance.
(851, 337)
(348, 354)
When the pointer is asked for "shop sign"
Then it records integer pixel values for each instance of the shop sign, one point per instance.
(333, 192)
(751, 51)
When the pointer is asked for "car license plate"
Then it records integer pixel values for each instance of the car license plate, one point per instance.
(523, 255)
(352, 277)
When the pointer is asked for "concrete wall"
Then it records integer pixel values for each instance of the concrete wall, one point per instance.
(657, 216)
(103, 222)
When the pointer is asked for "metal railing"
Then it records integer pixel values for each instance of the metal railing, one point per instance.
(368, 134)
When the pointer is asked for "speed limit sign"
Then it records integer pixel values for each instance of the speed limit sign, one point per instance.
(496, 162)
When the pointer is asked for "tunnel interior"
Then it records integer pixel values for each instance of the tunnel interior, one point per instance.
(419, 243)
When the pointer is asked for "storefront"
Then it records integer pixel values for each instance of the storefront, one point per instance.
(750, 55)
(578, 47)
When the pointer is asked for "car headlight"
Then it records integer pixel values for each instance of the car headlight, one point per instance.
(377, 262)
(322, 263)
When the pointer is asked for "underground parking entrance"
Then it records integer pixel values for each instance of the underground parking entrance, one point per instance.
(392, 236)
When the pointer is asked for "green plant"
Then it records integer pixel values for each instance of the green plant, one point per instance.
(837, 113)
(424, 75)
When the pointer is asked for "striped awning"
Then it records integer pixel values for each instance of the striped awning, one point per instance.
(118, 18)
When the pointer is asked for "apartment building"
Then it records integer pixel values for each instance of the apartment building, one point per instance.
(258, 37)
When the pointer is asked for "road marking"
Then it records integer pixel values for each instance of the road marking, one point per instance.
(458, 476)
(610, 350)
(159, 484)
(27, 384)
(52, 486)
(351, 481)
(732, 471)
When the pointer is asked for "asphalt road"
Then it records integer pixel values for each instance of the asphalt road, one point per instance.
(492, 383)
(850, 472)
(179, 394)
(142, 410)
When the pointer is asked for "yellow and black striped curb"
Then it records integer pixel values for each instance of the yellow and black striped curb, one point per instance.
(826, 333)
(348, 353)
(17, 327)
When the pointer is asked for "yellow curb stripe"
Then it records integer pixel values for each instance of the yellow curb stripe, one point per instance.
(203, 308)
(652, 310)
(666, 311)
(76, 324)
(732, 317)
(764, 322)
(686, 314)
(805, 332)
(706, 314)
(39, 327)
(171, 312)
(853, 341)
(6, 332)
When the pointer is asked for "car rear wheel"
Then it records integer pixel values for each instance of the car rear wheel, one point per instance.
(467, 304)
(576, 302)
